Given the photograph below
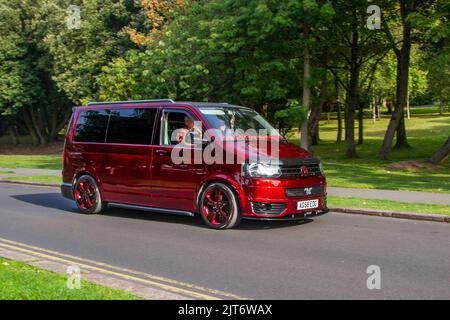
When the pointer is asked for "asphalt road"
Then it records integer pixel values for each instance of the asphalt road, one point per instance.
(324, 258)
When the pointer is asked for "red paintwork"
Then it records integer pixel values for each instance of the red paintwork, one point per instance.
(145, 175)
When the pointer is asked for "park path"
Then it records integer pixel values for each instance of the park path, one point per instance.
(29, 172)
(394, 195)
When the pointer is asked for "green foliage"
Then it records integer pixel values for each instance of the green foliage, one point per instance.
(19, 84)
(78, 55)
(290, 117)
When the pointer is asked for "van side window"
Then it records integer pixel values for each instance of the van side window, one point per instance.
(131, 126)
(92, 126)
(171, 121)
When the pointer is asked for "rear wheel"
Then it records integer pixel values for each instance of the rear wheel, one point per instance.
(87, 195)
(219, 207)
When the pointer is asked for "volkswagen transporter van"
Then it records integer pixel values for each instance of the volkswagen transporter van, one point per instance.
(159, 155)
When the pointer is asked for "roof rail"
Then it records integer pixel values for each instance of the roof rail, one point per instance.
(130, 101)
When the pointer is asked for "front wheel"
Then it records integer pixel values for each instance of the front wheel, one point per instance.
(87, 195)
(219, 207)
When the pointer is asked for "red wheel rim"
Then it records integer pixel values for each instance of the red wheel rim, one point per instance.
(85, 194)
(216, 206)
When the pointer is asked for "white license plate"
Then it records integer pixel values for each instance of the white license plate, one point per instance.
(308, 204)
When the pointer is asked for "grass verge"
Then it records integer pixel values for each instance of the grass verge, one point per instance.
(31, 161)
(376, 204)
(23, 282)
(41, 179)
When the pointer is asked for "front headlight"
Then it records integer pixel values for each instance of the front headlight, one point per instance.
(261, 170)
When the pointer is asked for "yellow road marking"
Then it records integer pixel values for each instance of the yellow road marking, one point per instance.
(172, 288)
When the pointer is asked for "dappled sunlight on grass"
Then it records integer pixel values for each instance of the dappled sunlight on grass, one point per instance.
(426, 134)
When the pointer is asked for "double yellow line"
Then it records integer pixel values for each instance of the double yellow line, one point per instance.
(187, 290)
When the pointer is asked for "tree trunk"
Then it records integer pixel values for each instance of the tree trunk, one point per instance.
(314, 118)
(37, 127)
(408, 110)
(352, 95)
(26, 118)
(304, 139)
(360, 123)
(397, 123)
(13, 134)
(58, 123)
(339, 116)
(389, 107)
(442, 154)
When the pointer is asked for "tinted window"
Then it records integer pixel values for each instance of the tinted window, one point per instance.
(172, 121)
(131, 126)
(92, 126)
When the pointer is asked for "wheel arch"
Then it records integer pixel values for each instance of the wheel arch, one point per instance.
(87, 172)
(234, 186)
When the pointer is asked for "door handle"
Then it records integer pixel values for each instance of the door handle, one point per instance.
(161, 152)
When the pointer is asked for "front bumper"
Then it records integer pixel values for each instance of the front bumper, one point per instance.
(277, 199)
(291, 217)
(67, 191)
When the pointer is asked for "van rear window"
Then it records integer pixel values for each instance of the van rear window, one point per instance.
(92, 126)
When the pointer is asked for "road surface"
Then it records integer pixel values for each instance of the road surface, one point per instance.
(324, 258)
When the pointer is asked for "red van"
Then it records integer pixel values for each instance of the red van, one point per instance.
(155, 155)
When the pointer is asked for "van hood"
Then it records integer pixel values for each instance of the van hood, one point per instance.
(274, 151)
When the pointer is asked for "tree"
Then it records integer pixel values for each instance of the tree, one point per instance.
(402, 49)
(438, 50)
(442, 154)
(355, 54)
(245, 52)
(78, 55)
(29, 95)
(158, 13)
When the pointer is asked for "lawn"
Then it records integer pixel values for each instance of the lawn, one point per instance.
(427, 131)
(31, 161)
(388, 205)
(23, 282)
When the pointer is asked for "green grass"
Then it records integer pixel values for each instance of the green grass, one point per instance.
(388, 205)
(6, 172)
(23, 282)
(41, 178)
(31, 161)
(427, 131)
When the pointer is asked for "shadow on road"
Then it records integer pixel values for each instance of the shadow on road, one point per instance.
(57, 202)
(48, 200)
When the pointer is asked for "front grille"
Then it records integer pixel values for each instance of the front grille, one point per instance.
(294, 171)
(268, 208)
(303, 192)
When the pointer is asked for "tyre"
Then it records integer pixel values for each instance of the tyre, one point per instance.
(87, 195)
(219, 206)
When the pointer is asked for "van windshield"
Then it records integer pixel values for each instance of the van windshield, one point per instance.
(238, 122)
